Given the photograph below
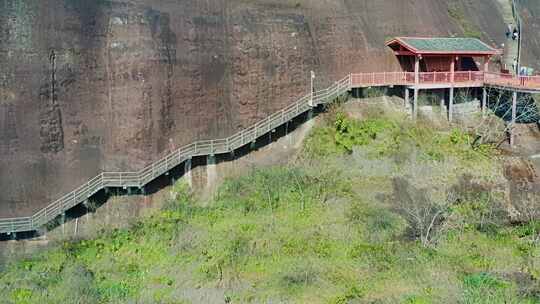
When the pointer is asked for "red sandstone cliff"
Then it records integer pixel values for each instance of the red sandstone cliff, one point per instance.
(87, 86)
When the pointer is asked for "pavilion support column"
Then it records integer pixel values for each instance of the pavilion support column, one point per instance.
(416, 83)
(514, 116)
(415, 104)
(452, 71)
(484, 100)
(416, 70)
(451, 97)
(451, 104)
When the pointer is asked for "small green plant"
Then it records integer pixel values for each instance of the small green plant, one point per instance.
(350, 133)
(485, 288)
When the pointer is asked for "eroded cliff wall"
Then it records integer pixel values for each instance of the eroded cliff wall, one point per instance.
(530, 13)
(87, 86)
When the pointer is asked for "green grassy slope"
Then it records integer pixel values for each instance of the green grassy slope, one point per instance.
(376, 211)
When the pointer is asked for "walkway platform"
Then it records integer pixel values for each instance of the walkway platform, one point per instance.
(440, 80)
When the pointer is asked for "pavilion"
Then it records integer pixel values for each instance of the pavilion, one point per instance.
(448, 61)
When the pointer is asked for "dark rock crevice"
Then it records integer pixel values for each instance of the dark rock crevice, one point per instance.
(50, 118)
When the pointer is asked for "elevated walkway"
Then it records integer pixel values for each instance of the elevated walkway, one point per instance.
(141, 178)
(439, 80)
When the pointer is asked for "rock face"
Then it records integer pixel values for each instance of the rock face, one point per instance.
(87, 86)
(530, 12)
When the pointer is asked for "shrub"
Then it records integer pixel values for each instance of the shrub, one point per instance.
(485, 288)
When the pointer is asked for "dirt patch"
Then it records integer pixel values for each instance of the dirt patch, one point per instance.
(521, 171)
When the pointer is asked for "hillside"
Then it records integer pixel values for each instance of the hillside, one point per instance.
(374, 209)
(87, 86)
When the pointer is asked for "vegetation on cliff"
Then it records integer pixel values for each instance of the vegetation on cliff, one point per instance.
(375, 210)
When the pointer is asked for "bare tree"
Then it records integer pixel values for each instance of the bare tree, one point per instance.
(495, 124)
(424, 214)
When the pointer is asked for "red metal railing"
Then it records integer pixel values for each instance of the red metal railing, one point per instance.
(434, 77)
(446, 77)
(407, 78)
(474, 78)
(469, 76)
(382, 79)
(508, 80)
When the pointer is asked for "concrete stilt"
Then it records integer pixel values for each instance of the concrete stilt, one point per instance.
(63, 222)
(451, 105)
(406, 98)
(484, 101)
(442, 106)
(187, 172)
(211, 171)
(309, 123)
(415, 104)
(514, 117)
(310, 114)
